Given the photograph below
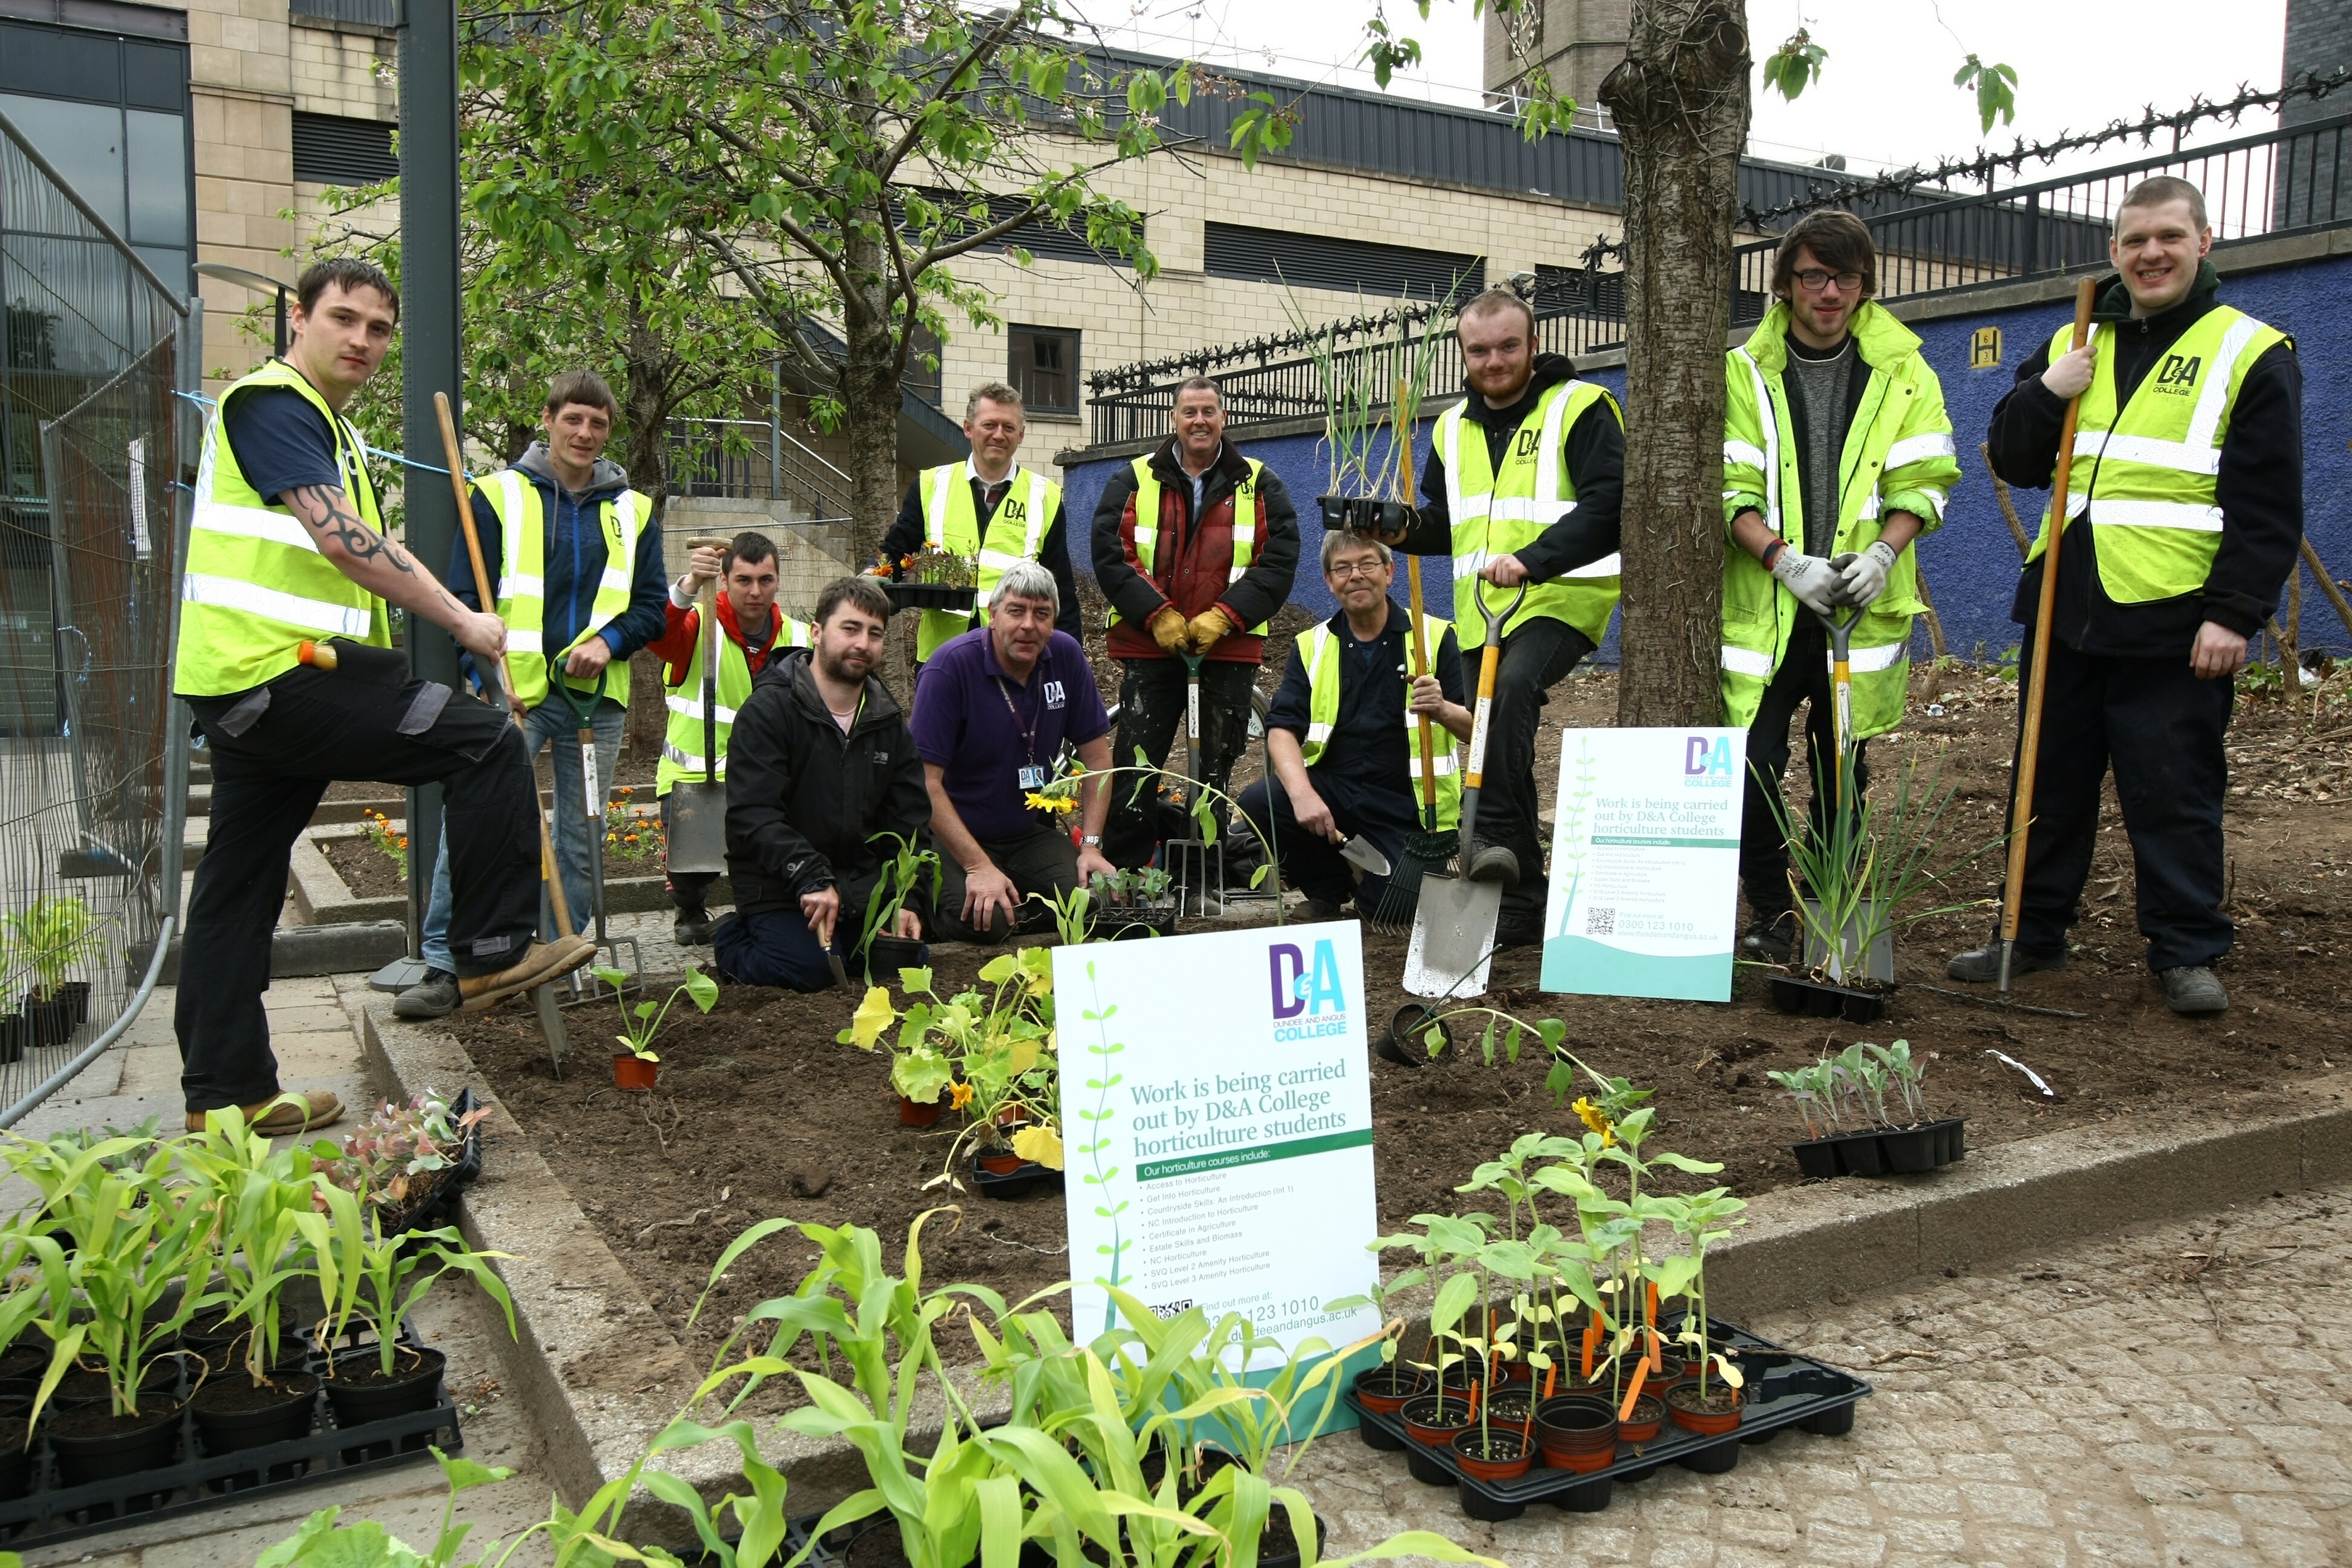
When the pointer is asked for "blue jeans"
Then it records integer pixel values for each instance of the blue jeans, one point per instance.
(552, 723)
(776, 947)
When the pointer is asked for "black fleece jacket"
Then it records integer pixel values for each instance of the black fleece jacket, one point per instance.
(2259, 488)
(1595, 449)
(804, 800)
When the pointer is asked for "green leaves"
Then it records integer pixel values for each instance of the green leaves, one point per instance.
(1996, 90)
(1794, 66)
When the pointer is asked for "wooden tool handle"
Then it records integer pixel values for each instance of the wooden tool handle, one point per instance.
(1403, 439)
(2029, 736)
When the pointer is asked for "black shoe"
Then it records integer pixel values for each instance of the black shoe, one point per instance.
(1494, 863)
(1981, 965)
(2193, 991)
(434, 997)
(1512, 930)
(1312, 911)
(692, 928)
(1771, 941)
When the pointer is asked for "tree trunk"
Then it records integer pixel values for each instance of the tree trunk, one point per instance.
(869, 396)
(645, 404)
(1680, 102)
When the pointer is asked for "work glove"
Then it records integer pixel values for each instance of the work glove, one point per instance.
(1814, 581)
(1167, 629)
(1864, 575)
(1207, 627)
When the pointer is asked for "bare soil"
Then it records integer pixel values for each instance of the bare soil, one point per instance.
(367, 870)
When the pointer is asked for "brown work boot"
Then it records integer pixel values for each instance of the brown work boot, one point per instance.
(290, 1113)
(542, 962)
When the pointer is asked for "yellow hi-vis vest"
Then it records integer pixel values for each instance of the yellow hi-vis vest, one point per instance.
(522, 590)
(2146, 473)
(1147, 525)
(257, 586)
(1496, 514)
(950, 522)
(681, 753)
(1897, 456)
(1320, 649)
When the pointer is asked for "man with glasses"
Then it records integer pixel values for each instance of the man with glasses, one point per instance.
(1344, 732)
(1836, 455)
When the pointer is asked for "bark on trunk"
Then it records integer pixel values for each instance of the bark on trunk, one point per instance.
(1680, 102)
(645, 404)
(869, 396)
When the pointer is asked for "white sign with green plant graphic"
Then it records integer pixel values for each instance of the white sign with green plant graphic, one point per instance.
(1645, 863)
(1217, 1118)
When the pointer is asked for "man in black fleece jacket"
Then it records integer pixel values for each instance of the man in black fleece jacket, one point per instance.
(2186, 512)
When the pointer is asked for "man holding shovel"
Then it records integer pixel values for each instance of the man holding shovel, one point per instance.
(576, 559)
(1837, 453)
(2184, 514)
(287, 552)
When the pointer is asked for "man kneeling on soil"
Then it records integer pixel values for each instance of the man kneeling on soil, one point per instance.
(992, 711)
(819, 764)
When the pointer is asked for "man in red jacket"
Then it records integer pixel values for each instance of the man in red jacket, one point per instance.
(1195, 547)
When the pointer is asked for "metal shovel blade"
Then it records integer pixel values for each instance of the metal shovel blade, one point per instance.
(1453, 937)
(697, 827)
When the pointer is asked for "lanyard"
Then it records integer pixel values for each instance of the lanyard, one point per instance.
(1029, 734)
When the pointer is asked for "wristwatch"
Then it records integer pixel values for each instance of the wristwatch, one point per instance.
(1091, 840)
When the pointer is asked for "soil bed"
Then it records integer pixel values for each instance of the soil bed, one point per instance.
(760, 1113)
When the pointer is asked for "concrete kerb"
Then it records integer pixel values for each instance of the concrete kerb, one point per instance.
(1802, 1245)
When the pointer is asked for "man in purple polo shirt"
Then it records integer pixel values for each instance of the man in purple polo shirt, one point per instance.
(991, 710)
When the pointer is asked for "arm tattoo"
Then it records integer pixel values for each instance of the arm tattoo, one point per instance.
(326, 511)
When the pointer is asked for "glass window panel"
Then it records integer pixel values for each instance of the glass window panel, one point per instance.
(1044, 367)
(170, 265)
(159, 178)
(156, 76)
(83, 141)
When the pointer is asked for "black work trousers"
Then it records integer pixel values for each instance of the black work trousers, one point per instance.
(1803, 677)
(269, 771)
(2161, 730)
(1535, 657)
(1312, 864)
(1151, 702)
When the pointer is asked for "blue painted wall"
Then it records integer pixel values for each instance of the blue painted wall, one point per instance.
(1971, 562)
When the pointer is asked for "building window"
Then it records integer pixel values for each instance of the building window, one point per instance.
(1045, 368)
(1290, 258)
(337, 149)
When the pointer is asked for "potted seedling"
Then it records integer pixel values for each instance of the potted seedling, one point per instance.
(48, 937)
(1369, 490)
(908, 872)
(1389, 1387)
(920, 1072)
(933, 578)
(1869, 1098)
(1708, 1404)
(402, 1159)
(634, 1066)
(1136, 903)
(257, 1390)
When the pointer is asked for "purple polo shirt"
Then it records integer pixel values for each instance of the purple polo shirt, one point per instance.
(982, 727)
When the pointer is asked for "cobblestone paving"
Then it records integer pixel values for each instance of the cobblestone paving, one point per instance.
(2181, 1397)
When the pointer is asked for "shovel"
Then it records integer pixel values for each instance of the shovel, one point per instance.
(698, 812)
(1453, 941)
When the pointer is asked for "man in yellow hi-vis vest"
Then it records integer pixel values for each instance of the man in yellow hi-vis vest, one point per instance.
(1521, 488)
(576, 557)
(1344, 734)
(988, 506)
(287, 550)
(2184, 516)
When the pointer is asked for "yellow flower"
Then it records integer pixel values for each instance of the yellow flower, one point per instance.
(873, 1015)
(1042, 1144)
(1058, 804)
(958, 1094)
(1591, 1117)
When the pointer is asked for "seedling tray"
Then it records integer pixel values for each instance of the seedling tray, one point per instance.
(1018, 1182)
(1787, 1390)
(1794, 994)
(434, 1210)
(50, 1513)
(928, 595)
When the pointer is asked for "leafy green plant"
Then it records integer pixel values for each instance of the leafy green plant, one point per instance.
(379, 1279)
(1072, 923)
(901, 874)
(384, 1157)
(1145, 885)
(259, 1195)
(1701, 1220)
(48, 937)
(640, 1023)
(1795, 65)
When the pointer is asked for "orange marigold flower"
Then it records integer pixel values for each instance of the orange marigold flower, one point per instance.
(958, 1094)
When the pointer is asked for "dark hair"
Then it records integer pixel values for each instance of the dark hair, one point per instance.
(1491, 301)
(1200, 383)
(346, 272)
(1839, 241)
(2157, 190)
(750, 549)
(581, 387)
(858, 593)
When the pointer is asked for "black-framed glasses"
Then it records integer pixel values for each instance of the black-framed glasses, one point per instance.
(1813, 279)
(1346, 569)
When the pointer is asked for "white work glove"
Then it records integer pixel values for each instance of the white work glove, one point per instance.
(1814, 581)
(1865, 575)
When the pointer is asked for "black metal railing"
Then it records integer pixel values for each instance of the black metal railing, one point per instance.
(754, 460)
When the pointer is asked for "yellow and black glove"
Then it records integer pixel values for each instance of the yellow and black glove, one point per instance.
(1206, 629)
(1167, 629)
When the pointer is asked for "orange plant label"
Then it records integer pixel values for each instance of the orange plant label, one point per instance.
(1634, 1390)
(1592, 1338)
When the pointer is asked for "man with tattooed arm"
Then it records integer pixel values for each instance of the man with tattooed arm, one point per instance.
(287, 548)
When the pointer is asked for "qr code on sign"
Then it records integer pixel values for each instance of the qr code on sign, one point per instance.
(1601, 923)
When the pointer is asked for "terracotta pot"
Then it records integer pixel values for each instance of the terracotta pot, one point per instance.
(1577, 1433)
(1420, 1417)
(913, 1115)
(1494, 1455)
(1649, 1415)
(1510, 1407)
(1682, 1404)
(634, 1072)
(1387, 1389)
(1514, 1372)
(1003, 1164)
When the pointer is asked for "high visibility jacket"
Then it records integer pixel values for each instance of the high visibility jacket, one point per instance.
(2146, 473)
(523, 591)
(1494, 514)
(257, 586)
(681, 755)
(1147, 525)
(1897, 456)
(1320, 649)
(950, 522)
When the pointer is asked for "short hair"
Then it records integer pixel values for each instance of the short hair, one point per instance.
(2157, 190)
(1492, 301)
(859, 593)
(1199, 384)
(1839, 241)
(1339, 539)
(584, 386)
(346, 272)
(1026, 579)
(991, 392)
(750, 548)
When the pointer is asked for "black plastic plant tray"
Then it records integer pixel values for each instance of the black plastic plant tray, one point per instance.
(928, 596)
(1794, 1392)
(49, 1513)
(434, 1211)
(1029, 1177)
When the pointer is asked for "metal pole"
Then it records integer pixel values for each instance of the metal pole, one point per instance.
(776, 433)
(279, 336)
(431, 358)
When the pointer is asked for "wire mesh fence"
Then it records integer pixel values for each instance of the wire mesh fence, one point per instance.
(97, 444)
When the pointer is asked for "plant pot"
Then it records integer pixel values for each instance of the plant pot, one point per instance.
(886, 955)
(1910, 1150)
(1796, 993)
(1425, 1425)
(53, 1020)
(1585, 1497)
(1023, 1176)
(1577, 1433)
(16, 1034)
(16, 1462)
(1404, 1041)
(94, 1445)
(359, 1392)
(1850, 962)
(631, 1072)
(1859, 1155)
(1816, 1158)
(21, 1367)
(1510, 1407)
(81, 1390)
(1494, 1455)
(1421, 1461)
(1953, 1133)
(913, 1115)
(1001, 1164)
(1716, 1415)
(1278, 1546)
(1649, 1417)
(1389, 1389)
(232, 1414)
